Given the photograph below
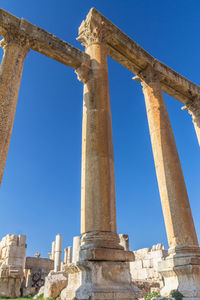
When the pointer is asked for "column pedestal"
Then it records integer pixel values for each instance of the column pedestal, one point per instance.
(181, 271)
(99, 280)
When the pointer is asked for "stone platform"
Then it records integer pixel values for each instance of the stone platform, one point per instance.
(99, 280)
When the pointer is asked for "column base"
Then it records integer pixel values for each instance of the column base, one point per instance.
(99, 280)
(103, 246)
(181, 271)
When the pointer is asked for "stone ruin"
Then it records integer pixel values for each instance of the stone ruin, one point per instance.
(35, 272)
(103, 267)
(144, 270)
(21, 275)
(12, 264)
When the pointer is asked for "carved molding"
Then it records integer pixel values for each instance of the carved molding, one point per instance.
(93, 30)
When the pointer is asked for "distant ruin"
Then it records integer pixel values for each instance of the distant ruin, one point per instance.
(105, 267)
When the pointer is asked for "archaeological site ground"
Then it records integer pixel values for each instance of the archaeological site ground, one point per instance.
(100, 265)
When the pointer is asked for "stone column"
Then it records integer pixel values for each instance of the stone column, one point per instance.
(76, 248)
(15, 50)
(181, 269)
(175, 203)
(53, 250)
(58, 253)
(98, 211)
(65, 255)
(69, 255)
(193, 108)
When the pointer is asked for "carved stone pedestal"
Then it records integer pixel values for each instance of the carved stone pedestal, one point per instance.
(181, 270)
(99, 280)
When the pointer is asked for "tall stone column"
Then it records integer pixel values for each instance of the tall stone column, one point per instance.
(102, 271)
(58, 253)
(181, 269)
(193, 108)
(174, 198)
(98, 211)
(15, 50)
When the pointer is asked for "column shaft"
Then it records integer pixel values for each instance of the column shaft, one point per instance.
(98, 212)
(65, 255)
(69, 254)
(10, 77)
(76, 248)
(58, 253)
(175, 203)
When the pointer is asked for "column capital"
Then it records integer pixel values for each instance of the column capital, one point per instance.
(93, 30)
(193, 107)
(16, 38)
(147, 76)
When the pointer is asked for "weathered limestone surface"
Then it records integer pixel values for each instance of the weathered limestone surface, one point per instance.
(175, 203)
(12, 263)
(15, 50)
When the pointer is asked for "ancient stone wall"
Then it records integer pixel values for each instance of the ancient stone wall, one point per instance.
(12, 263)
(144, 270)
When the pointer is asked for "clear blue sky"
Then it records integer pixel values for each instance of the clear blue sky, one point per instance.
(40, 193)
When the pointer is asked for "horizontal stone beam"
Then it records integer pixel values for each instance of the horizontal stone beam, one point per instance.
(128, 53)
(43, 41)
